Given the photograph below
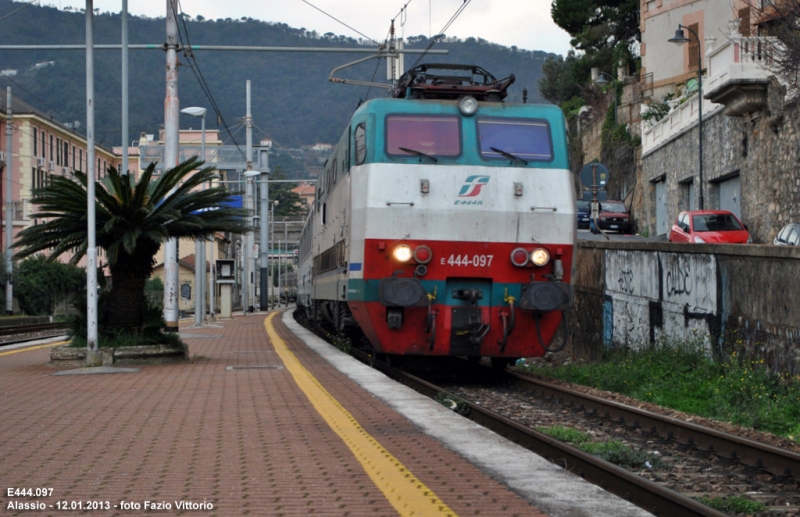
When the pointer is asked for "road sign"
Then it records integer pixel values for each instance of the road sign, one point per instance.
(588, 177)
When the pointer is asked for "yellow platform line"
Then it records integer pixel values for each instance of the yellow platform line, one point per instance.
(29, 348)
(407, 494)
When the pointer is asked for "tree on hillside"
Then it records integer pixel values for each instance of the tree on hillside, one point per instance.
(289, 203)
(597, 26)
(563, 78)
(132, 220)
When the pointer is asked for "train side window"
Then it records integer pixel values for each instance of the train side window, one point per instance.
(334, 172)
(361, 143)
(528, 139)
(324, 213)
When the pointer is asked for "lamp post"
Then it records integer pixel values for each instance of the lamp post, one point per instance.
(679, 39)
(272, 238)
(603, 81)
(199, 246)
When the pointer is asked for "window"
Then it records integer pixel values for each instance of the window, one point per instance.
(744, 21)
(715, 223)
(58, 151)
(66, 154)
(528, 139)
(80, 159)
(694, 46)
(52, 150)
(35, 142)
(361, 144)
(407, 135)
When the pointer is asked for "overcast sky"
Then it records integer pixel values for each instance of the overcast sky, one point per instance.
(524, 23)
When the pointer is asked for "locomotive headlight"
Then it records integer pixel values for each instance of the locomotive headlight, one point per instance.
(540, 256)
(519, 257)
(402, 253)
(423, 254)
(467, 106)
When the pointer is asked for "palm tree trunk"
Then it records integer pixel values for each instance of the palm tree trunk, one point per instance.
(126, 300)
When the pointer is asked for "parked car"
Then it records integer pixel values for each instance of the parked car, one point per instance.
(614, 216)
(709, 226)
(788, 236)
(584, 210)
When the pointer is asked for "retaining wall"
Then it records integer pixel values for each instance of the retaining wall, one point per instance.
(728, 297)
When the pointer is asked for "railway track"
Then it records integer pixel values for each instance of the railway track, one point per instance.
(704, 461)
(22, 333)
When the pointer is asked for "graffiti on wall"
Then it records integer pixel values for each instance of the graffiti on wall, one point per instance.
(650, 296)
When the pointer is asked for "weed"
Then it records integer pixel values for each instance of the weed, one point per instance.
(565, 434)
(616, 452)
(734, 504)
(684, 377)
(342, 343)
(612, 451)
(457, 404)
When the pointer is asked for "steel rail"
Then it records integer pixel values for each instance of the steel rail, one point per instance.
(27, 329)
(774, 460)
(642, 492)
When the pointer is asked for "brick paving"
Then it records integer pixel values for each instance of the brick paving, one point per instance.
(230, 428)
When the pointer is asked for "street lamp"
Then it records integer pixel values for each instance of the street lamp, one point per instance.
(679, 39)
(602, 81)
(199, 246)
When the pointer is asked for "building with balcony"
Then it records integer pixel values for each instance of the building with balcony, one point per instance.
(41, 148)
(748, 113)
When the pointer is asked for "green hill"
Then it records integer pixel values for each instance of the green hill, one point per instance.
(292, 101)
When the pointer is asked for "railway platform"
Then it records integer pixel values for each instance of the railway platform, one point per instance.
(264, 419)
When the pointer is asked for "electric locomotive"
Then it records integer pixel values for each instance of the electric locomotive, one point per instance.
(444, 221)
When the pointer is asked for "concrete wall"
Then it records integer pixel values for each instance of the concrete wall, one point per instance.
(743, 298)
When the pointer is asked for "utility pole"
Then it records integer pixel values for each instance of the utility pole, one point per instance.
(9, 204)
(92, 353)
(248, 244)
(263, 247)
(171, 143)
(124, 88)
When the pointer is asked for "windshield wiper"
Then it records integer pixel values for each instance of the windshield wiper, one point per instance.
(418, 153)
(508, 155)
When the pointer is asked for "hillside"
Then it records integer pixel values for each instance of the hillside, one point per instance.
(292, 101)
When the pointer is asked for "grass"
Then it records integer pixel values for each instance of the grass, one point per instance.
(734, 504)
(612, 451)
(683, 377)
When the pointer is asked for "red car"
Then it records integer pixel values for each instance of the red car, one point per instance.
(709, 226)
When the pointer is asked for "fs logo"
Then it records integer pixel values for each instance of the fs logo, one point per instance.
(473, 185)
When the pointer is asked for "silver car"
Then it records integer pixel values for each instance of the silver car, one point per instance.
(788, 236)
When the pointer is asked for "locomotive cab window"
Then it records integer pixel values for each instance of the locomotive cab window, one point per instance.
(526, 139)
(411, 135)
(361, 143)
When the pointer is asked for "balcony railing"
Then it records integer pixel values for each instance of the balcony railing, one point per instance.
(739, 58)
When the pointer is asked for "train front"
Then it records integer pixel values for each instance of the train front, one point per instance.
(462, 227)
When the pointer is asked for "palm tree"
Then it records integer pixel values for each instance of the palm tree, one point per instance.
(132, 220)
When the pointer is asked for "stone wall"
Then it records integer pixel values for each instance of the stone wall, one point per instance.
(727, 297)
(762, 150)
